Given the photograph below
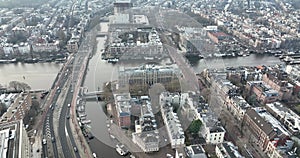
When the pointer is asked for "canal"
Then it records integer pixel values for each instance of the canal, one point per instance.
(100, 72)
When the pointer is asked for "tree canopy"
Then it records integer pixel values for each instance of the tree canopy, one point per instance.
(195, 126)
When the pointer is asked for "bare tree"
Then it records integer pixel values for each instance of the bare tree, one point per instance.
(19, 86)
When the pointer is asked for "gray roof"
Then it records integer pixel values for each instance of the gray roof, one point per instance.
(261, 123)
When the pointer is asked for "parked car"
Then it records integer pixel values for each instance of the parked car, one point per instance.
(75, 148)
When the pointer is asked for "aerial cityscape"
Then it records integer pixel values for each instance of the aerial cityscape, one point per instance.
(150, 78)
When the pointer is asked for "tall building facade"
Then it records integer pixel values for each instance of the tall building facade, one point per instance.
(148, 75)
(122, 5)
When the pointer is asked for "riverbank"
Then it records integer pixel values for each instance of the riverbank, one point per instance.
(34, 60)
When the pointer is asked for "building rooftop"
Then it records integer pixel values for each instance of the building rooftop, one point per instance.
(10, 139)
(195, 151)
(123, 105)
(172, 120)
(264, 87)
(8, 99)
(285, 113)
(229, 150)
(260, 122)
(218, 33)
(241, 102)
(122, 1)
(216, 129)
(17, 101)
(148, 133)
(276, 125)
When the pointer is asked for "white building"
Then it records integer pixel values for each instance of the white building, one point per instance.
(146, 135)
(237, 105)
(174, 129)
(8, 49)
(189, 106)
(214, 135)
(288, 117)
(46, 47)
(24, 48)
(120, 19)
(195, 151)
(276, 150)
(227, 150)
(140, 19)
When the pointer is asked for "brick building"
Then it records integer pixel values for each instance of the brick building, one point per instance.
(263, 92)
(284, 88)
(122, 102)
(18, 109)
(217, 36)
(265, 128)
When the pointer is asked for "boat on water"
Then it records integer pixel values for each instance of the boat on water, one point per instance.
(29, 60)
(120, 148)
(114, 60)
(149, 58)
(219, 55)
(60, 60)
(194, 56)
(86, 121)
(287, 59)
(8, 61)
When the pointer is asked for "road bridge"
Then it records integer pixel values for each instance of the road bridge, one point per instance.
(97, 95)
(102, 34)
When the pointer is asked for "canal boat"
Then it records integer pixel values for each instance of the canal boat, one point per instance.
(114, 60)
(121, 150)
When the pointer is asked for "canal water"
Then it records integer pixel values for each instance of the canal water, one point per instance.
(100, 72)
(251, 60)
(41, 76)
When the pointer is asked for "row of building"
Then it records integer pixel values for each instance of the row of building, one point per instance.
(136, 112)
(272, 126)
(17, 106)
(146, 134)
(266, 84)
(14, 139)
(267, 29)
(47, 28)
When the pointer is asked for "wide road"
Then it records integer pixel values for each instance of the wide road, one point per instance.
(188, 78)
(64, 130)
(48, 131)
(48, 127)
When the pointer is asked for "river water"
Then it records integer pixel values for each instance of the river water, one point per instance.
(41, 76)
(38, 75)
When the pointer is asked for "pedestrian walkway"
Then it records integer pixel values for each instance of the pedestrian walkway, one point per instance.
(37, 147)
